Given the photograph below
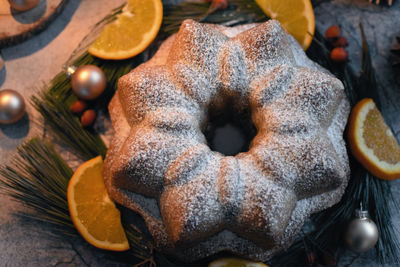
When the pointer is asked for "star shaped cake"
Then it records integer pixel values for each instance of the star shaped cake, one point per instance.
(197, 202)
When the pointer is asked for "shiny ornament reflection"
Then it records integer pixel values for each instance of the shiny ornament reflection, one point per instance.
(362, 233)
(23, 5)
(12, 106)
(88, 82)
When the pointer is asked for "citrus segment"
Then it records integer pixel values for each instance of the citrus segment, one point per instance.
(372, 142)
(132, 32)
(232, 262)
(296, 16)
(93, 213)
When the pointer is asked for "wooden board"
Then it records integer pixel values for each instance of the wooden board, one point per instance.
(17, 26)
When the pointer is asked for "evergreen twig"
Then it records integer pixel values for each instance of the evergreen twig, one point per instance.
(53, 104)
(38, 177)
(237, 12)
(68, 127)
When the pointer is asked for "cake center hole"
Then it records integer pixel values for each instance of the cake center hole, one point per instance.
(229, 131)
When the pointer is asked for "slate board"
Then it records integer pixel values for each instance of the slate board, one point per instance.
(16, 27)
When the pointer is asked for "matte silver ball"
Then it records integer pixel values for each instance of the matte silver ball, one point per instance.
(362, 233)
(88, 82)
(12, 106)
(23, 5)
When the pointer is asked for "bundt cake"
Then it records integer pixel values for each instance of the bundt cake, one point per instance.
(197, 202)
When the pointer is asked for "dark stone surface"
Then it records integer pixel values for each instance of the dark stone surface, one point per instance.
(25, 243)
(381, 25)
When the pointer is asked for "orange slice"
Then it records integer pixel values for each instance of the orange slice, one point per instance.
(372, 142)
(296, 16)
(93, 213)
(132, 32)
(233, 262)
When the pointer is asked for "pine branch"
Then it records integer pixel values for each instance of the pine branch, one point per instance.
(66, 126)
(38, 177)
(237, 12)
(367, 86)
(363, 187)
(53, 104)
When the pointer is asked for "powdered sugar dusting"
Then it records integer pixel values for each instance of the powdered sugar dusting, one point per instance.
(197, 202)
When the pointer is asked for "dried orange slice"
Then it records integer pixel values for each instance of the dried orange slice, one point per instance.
(296, 16)
(233, 262)
(132, 32)
(372, 142)
(93, 213)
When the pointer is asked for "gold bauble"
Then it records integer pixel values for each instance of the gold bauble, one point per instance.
(88, 82)
(12, 106)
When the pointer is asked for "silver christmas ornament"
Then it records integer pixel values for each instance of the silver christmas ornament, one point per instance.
(23, 5)
(88, 81)
(12, 106)
(362, 233)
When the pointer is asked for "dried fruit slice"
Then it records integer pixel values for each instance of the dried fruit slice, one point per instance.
(132, 32)
(93, 213)
(372, 142)
(296, 16)
(232, 262)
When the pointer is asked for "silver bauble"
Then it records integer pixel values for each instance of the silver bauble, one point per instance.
(12, 106)
(88, 82)
(362, 233)
(23, 5)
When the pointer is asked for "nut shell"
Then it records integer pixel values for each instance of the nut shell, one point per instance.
(78, 106)
(332, 32)
(88, 118)
(339, 55)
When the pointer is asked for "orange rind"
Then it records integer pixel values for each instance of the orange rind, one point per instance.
(372, 142)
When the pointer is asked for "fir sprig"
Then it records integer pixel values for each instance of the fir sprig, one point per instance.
(38, 177)
(237, 12)
(53, 104)
(68, 127)
(367, 85)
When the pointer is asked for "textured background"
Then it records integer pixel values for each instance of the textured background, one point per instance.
(30, 65)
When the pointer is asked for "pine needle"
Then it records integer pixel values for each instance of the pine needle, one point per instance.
(53, 104)
(68, 127)
(38, 177)
(237, 12)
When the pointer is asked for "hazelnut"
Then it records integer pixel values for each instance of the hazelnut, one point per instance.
(78, 106)
(218, 4)
(339, 54)
(340, 42)
(332, 32)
